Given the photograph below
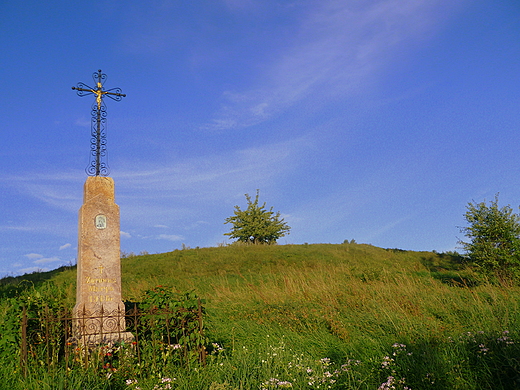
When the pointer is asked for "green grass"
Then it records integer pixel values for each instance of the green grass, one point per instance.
(278, 310)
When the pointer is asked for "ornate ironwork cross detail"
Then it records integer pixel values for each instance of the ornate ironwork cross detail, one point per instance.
(98, 141)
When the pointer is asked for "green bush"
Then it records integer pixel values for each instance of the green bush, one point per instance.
(494, 246)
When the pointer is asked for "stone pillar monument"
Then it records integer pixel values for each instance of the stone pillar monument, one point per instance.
(99, 309)
(99, 314)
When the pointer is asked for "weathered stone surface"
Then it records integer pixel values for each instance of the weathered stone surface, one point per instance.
(98, 293)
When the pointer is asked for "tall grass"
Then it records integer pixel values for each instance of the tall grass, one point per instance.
(382, 317)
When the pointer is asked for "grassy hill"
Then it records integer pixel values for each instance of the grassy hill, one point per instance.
(344, 302)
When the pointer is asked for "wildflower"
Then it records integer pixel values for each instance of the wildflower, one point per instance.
(217, 347)
(275, 383)
(483, 349)
(389, 384)
(350, 362)
(505, 338)
(387, 361)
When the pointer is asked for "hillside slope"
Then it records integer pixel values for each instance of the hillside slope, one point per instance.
(352, 292)
(270, 307)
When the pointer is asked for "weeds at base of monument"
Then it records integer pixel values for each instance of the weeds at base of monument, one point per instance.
(167, 328)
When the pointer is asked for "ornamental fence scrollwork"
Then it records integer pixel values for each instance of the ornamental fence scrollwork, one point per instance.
(97, 338)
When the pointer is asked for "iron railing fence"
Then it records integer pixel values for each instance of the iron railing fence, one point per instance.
(88, 339)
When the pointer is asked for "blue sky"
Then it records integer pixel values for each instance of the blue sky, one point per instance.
(369, 120)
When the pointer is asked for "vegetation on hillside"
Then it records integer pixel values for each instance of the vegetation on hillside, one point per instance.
(494, 240)
(256, 224)
(345, 316)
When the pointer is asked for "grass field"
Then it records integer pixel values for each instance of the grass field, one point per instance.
(339, 316)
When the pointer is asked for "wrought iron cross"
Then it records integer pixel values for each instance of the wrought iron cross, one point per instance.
(98, 141)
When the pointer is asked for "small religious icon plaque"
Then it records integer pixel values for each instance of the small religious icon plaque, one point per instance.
(101, 221)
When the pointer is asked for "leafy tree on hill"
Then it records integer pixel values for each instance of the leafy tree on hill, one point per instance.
(494, 234)
(256, 224)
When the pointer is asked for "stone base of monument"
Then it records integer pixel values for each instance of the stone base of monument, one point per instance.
(99, 325)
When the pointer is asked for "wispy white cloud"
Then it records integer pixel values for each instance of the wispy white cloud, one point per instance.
(33, 256)
(183, 192)
(381, 230)
(170, 237)
(196, 225)
(159, 192)
(18, 228)
(46, 260)
(339, 47)
(61, 190)
(65, 246)
(215, 176)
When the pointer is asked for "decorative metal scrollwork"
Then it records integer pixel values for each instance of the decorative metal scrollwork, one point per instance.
(98, 142)
(91, 322)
